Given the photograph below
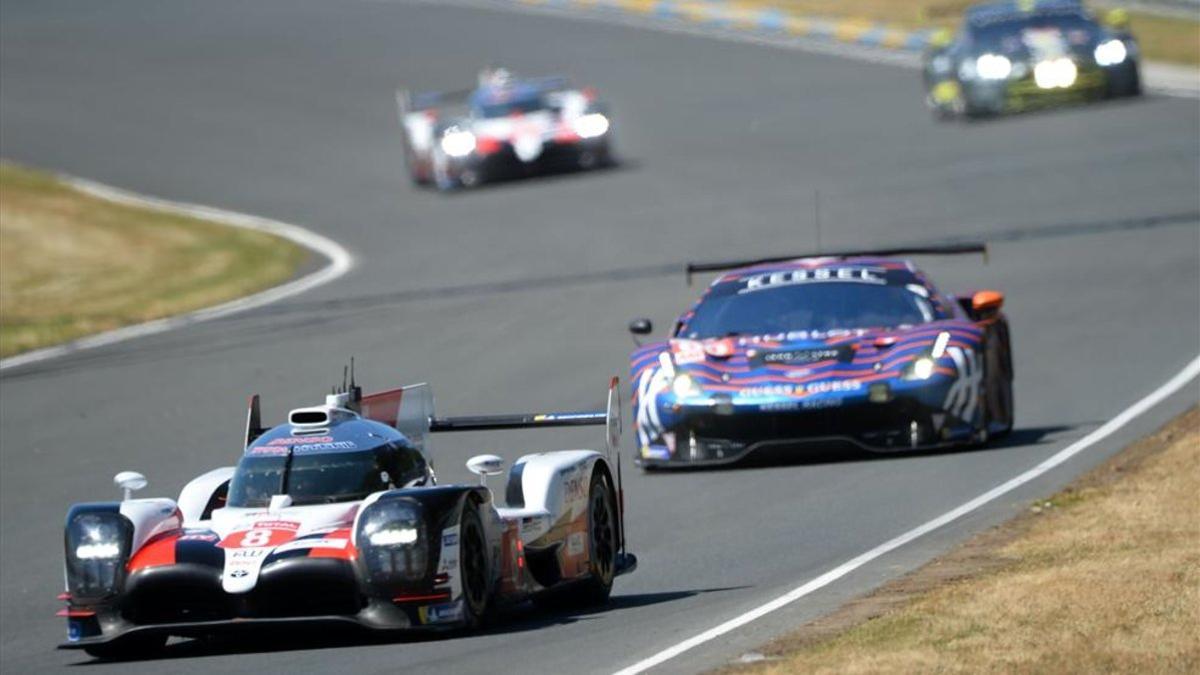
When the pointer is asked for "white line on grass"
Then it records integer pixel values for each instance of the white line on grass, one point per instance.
(1173, 385)
(340, 262)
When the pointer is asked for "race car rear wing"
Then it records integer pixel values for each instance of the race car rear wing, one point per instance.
(410, 410)
(947, 249)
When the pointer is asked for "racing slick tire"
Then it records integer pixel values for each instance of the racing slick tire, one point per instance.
(473, 566)
(128, 648)
(603, 542)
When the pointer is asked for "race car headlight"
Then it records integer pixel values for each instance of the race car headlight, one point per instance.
(97, 545)
(993, 67)
(591, 125)
(392, 542)
(458, 143)
(1111, 53)
(920, 369)
(685, 386)
(1057, 73)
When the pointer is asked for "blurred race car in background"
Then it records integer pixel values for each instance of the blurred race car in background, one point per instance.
(504, 126)
(336, 517)
(854, 347)
(1016, 55)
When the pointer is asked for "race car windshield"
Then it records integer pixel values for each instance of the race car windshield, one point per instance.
(322, 478)
(1023, 34)
(808, 307)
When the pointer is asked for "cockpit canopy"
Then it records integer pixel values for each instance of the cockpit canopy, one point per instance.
(345, 462)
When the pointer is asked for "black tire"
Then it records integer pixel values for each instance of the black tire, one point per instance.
(473, 566)
(602, 553)
(128, 648)
(603, 542)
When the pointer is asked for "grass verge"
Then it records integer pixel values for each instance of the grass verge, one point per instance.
(1103, 577)
(72, 264)
(1175, 40)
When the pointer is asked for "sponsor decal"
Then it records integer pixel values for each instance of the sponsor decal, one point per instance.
(312, 543)
(299, 440)
(864, 275)
(573, 488)
(687, 351)
(575, 544)
(803, 356)
(809, 389)
(451, 611)
(799, 335)
(831, 386)
(301, 445)
(779, 406)
(820, 403)
(719, 349)
(768, 390)
(199, 536)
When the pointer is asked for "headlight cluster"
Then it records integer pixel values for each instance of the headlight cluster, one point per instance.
(392, 540)
(685, 386)
(97, 546)
(1057, 73)
(924, 366)
(993, 67)
(591, 125)
(458, 142)
(1111, 53)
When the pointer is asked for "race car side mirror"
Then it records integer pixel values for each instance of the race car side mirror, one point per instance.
(130, 481)
(986, 302)
(641, 326)
(485, 465)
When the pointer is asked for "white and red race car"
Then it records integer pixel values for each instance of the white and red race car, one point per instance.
(335, 516)
(504, 126)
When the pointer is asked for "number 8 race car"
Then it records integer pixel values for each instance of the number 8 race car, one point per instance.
(336, 516)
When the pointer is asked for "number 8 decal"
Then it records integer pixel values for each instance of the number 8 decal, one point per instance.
(255, 538)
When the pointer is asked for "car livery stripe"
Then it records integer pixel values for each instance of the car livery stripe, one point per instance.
(160, 550)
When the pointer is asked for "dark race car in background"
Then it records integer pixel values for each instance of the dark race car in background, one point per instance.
(336, 517)
(855, 348)
(506, 126)
(1016, 55)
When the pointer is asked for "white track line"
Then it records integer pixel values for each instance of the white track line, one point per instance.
(1173, 385)
(340, 262)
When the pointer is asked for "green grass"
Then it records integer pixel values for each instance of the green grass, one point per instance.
(73, 265)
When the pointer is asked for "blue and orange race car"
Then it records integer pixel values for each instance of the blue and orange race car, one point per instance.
(855, 347)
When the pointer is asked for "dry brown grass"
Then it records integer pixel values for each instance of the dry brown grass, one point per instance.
(72, 264)
(1105, 577)
(1161, 39)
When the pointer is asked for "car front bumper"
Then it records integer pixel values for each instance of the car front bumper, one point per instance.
(717, 432)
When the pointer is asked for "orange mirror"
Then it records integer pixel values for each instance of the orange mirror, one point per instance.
(987, 301)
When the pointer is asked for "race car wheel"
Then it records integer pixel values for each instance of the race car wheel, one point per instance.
(132, 647)
(602, 542)
(473, 566)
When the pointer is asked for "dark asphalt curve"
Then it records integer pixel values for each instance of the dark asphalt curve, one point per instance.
(515, 297)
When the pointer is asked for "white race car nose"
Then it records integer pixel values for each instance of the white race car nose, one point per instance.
(527, 148)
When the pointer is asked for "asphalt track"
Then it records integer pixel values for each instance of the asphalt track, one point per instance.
(515, 297)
